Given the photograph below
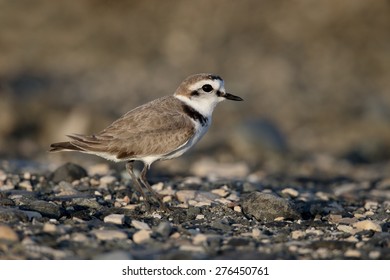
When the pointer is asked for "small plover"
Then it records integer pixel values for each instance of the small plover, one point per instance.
(162, 129)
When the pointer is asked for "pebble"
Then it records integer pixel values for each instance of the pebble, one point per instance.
(198, 196)
(118, 219)
(65, 189)
(68, 172)
(158, 187)
(237, 209)
(334, 218)
(46, 209)
(351, 253)
(107, 180)
(347, 229)
(8, 234)
(8, 215)
(199, 217)
(26, 185)
(297, 234)
(140, 225)
(79, 237)
(291, 192)
(106, 234)
(141, 236)
(87, 202)
(192, 248)
(267, 207)
(367, 225)
(374, 255)
(371, 205)
(256, 233)
(49, 227)
(164, 229)
(221, 192)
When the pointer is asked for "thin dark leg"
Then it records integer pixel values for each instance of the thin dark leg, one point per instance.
(144, 181)
(137, 185)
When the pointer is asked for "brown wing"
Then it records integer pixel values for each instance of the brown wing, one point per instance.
(156, 128)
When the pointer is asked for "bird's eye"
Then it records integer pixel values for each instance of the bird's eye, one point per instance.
(207, 88)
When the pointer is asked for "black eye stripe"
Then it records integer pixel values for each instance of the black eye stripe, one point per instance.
(207, 88)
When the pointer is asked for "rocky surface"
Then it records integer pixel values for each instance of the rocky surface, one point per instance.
(100, 217)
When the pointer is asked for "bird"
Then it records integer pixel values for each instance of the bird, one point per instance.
(161, 129)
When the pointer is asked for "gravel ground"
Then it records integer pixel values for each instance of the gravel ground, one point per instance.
(67, 214)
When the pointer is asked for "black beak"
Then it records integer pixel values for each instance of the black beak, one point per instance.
(232, 97)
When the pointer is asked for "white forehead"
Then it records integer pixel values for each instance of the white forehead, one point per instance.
(215, 83)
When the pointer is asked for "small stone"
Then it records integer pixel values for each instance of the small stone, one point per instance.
(104, 234)
(267, 207)
(256, 233)
(175, 235)
(32, 214)
(345, 228)
(49, 227)
(12, 216)
(367, 225)
(68, 172)
(8, 234)
(334, 218)
(118, 219)
(322, 196)
(141, 236)
(158, 187)
(291, 192)
(223, 201)
(199, 217)
(221, 192)
(27, 176)
(279, 219)
(369, 213)
(191, 248)
(374, 255)
(351, 253)
(26, 185)
(314, 231)
(237, 208)
(65, 189)
(199, 196)
(140, 225)
(79, 237)
(164, 229)
(199, 239)
(371, 205)
(46, 209)
(87, 202)
(108, 179)
(297, 234)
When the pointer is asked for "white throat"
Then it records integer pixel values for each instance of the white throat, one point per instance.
(202, 105)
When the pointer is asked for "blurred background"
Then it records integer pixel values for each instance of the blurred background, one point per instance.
(315, 76)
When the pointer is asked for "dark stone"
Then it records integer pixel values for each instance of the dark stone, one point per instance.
(266, 207)
(46, 209)
(12, 216)
(6, 202)
(68, 172)
(164, 229)
(238, 242)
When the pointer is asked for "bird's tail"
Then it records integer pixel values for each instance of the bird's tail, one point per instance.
(63, 146)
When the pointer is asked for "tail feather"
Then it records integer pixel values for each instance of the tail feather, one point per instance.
(64, 146)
